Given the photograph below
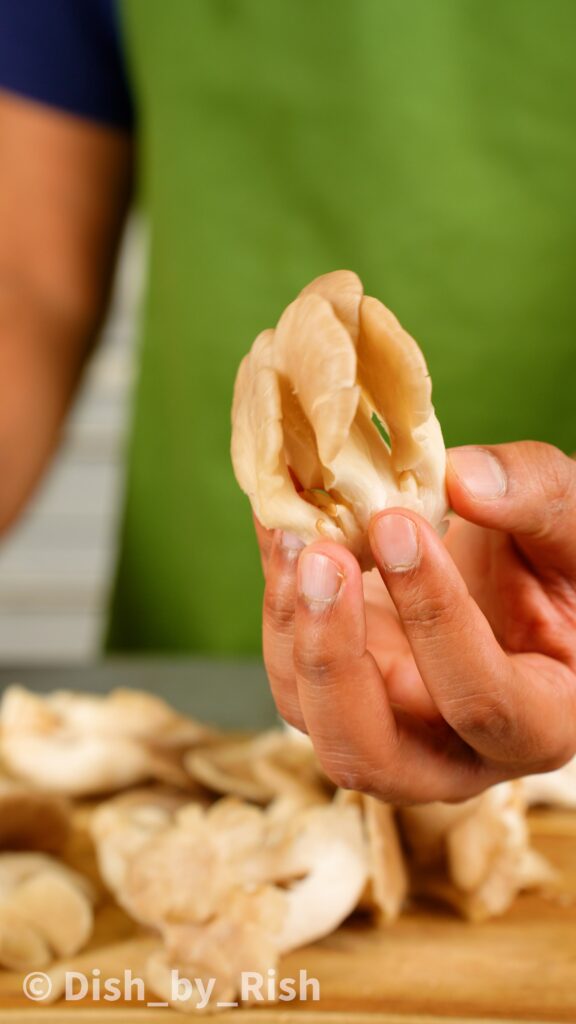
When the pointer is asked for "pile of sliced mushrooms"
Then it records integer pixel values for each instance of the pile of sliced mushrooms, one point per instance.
(225, 851)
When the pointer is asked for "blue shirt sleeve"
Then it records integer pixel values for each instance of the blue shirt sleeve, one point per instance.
(67, 54)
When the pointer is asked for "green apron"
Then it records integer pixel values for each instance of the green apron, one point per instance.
(430, 145)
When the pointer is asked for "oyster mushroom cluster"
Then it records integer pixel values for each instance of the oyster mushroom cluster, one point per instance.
(475, 856)
(249, 851)
(332, 419)
(230, 887)
(277, 764)
(87, 744)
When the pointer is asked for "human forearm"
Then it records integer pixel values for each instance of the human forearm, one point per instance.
(64, 190)
(41, 355)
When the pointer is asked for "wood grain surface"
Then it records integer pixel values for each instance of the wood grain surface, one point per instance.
(427, 968)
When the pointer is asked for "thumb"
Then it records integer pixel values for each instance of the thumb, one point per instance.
(527, 489)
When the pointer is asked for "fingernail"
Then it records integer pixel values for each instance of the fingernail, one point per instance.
(396, 539)
(479, 472)
(290, 542)
(319, 578)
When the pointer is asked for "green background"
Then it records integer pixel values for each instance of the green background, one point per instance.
(429, 145)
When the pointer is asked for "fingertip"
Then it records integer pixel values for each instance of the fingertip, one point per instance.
(319, 577)
(330, 606)
(474, 474)
(337, 553)
(395, 540)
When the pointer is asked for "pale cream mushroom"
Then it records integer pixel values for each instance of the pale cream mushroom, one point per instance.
(261, 768)
(46, 910)
(156, 853)
(554, 789)
(22, 947)
(183, 869)
(244, 940)
(475, 855)
(121, 827)
(226, 883)
(326, 868)
(83, 744)
(387, 885)
(30, 820)
(332, 419)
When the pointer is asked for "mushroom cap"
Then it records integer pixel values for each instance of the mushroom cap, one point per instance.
(177, 877)
(260, 768)
(555, 789)
(389, 879)
(48, 906)
(121, 827)
(328, 857)
(124, 712)
(187, 872)
(426, 826)
(58, 909)
(343, 289)
(18, 868)
(475, 855)
(22, 947)
(394, 374)
(242, 939)
(311, 400)
(313, 350)
(258, 446)
(79, 744)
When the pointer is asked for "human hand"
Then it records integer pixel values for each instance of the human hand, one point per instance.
(453, 667)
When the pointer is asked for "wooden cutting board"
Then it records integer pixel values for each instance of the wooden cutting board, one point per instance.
(428, 967)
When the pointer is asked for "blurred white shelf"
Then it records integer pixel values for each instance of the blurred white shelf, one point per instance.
(47, 636)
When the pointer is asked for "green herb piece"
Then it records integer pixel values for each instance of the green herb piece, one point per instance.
(381, 429)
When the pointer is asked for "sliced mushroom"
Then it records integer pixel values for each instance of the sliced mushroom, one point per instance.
(327, 857)
(555, 789)
(30, 820)
(426, 826)
(223, 882)
(389, 880)
(475, 855)
(80, 744)
(58, 909)
(123, 826)
(46, 910)
(223, 949)
(22, 947)
(387, 884)
(179, 875)
(332, 419)
(260, 768)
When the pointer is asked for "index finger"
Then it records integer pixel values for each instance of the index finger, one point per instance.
(362, 742)
(510, 710)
